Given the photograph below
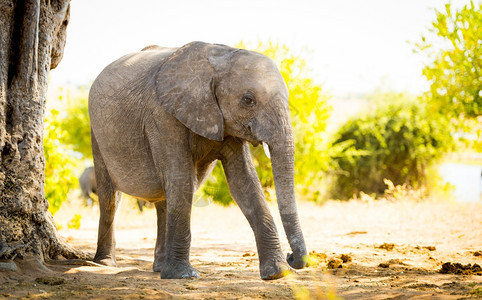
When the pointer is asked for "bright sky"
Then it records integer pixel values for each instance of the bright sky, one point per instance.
(356, 45)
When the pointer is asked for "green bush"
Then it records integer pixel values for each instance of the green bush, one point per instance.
(75, 222)
(399, 141)
(76, 123)
(452, 51)
(454, 60)
(59, 164)
(216, 187)
(309, 113)
(66, 142)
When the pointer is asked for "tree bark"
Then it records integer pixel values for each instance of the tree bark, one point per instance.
(32, 39)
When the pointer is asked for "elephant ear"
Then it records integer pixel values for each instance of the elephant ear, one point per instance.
(185, 89)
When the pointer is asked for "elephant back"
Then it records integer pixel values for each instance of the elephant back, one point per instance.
(125, 83)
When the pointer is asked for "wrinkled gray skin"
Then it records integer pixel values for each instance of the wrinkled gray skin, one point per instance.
(161, 118)
(88, 186)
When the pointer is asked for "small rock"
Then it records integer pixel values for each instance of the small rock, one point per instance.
(8, 266)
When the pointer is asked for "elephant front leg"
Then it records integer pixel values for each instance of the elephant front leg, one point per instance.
(178, 236)
(160, 250)
(247, 192)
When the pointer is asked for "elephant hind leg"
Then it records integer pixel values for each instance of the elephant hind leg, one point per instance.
(109, 200)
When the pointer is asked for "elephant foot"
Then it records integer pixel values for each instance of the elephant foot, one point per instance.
(178, 271)
(106, 260)
(275, 270)
(157, 266)
(159, 261)
(297, 261)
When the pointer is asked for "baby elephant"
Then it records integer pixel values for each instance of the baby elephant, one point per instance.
(160, 119)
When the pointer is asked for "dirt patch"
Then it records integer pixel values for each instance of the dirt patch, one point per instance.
(423, 286)
(224, 252)
(315, 258)
(334, 263)
(396, 261)
(356, 232)
(387, 246)
(391, 262)
(50, 280)
(458, 268)
(345, 258)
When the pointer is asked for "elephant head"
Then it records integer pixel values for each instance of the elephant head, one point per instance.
(222, 91)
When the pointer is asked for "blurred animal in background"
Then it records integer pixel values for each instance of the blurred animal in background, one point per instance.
(88, 185)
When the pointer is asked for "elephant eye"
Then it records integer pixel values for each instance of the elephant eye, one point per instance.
(249, 99)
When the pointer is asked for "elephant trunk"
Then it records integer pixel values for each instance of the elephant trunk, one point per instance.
(282, 160)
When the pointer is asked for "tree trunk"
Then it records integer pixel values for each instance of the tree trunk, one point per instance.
(32, 38)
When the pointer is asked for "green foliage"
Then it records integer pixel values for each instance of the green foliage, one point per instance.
(399, 141)
(309, 113)
(216, 186)
(454, 67)
(455, 60)
(59, 166)
(66, 140)
(76, 124)
(476, 292)
(75, 222)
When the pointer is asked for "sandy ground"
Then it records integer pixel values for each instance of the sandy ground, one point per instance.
(391, 250)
